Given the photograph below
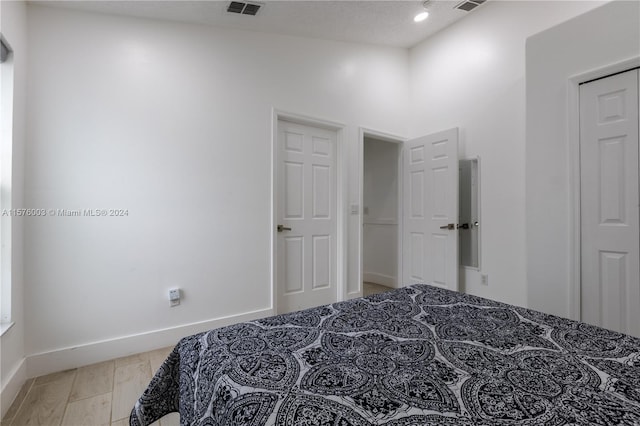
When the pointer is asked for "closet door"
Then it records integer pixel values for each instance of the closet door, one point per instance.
(306, 251)
(610, 247)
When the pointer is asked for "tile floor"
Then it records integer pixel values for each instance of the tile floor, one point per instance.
(96, 395)
(372, 288)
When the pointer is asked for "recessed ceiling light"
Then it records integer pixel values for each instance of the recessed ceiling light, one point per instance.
(424, 14)
(421, 16)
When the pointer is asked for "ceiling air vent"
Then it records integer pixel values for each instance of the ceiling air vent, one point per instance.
(244, 8)
(469, 5)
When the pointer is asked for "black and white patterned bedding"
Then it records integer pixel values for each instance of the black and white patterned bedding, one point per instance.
(414, 356)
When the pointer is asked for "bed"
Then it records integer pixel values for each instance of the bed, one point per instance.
(419, 355)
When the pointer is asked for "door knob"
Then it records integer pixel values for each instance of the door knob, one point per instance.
(449, 226)
(281, 228)
(463, 226)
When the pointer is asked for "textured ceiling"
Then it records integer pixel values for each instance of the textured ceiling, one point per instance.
(387, 23)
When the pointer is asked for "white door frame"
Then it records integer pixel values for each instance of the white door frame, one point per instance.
(340, 197)
(575, 286)
(386, 137)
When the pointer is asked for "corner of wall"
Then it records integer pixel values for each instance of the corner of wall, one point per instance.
(549, 155)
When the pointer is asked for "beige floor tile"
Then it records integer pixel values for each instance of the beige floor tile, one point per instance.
(157, 357)
(132, 359)
(92, 380)
(171, 419)
(45, 403)
(129, 383)
(91, 395)
(94, 411)
(54, 377)
(372, 288)
(13, 410)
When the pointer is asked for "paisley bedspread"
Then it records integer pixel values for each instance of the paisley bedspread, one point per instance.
(419, 355)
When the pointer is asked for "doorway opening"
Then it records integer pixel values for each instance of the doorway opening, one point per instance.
(381, 264)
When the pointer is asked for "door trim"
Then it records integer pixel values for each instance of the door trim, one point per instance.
(387, 137)
(340, 197)
(573, 134)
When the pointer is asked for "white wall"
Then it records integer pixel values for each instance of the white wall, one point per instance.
(13, 24)
(472, 76)
(172, 122)
(604, 36)
(380, 212)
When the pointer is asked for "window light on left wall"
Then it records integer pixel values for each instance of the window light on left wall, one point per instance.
(6, 155)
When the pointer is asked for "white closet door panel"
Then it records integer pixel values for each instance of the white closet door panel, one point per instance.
(610, 221)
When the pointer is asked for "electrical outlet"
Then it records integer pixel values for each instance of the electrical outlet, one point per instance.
(484, 279)
(174, 296)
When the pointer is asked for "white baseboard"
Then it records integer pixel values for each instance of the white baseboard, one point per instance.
(386, 280)
(13, 383)
(91, 353)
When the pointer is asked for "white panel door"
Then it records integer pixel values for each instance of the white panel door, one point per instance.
(610, 243)
(306, 208)
(430, 252)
